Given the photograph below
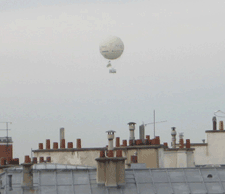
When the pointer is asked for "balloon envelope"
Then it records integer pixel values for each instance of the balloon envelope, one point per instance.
(112, 47)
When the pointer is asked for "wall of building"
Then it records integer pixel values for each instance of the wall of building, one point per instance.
(181, 159)
(161, 157)
(190, 159)
(200, 154)
(178, 158)
(170, 159)
(86, 157)
(147, 156)
(215, 153)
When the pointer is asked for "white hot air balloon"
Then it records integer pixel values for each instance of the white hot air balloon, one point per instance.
(111, 48)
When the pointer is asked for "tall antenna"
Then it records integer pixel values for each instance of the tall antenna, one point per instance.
(154, 122)
(7, 131)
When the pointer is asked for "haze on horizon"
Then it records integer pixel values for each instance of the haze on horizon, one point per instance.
(52, 74)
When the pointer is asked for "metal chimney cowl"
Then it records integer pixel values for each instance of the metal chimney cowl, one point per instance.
(110, 137)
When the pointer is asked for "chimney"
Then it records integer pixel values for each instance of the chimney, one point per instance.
(157, 140)
(173, 134)
(41, 159)
(134, 158)
(110, 139)
(55, 145)
(34, 160)
(132, 128)
(125, 142)
(139, 142)
(166, 144)
(214, 123)
(142, 133)
(27, 183)
(181, 142)
(221, 126)
(48, 159)
(79, 143)
(70, 145)
(188, 144)
(40, 146)
(102, 154)
(62, 144)
(48, 144)
(111, 171)
(119, 153)
(203, 140)
(131, 142)
(62, 134)
(3, 161)
(117, 142)
(110, 153)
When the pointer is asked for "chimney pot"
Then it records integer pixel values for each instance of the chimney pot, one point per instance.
(70, 145)
(27, 159)
(146, 142)
(62, 144)
(110, 137)
(79, 143)
(41, 159)
(181, 143)
(48, 159)
(142, 132)
(166, 144)
(119, 153)
(48, 144)
(214, 123)
(16, 160)
(132, 128)
(62, 133)
(133, 159)
(3, 161)
(153, 141)
(40, 146)
(221, 125)
(110, 153)
(188, 144)
(102, 154)
(148, 137)
(157, 140)
(139, 142)
(35, 160)
(173, 134)
(125, 142)
(55, 145)
(117, 142)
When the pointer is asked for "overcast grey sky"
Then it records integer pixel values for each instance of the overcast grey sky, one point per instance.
(52, 73)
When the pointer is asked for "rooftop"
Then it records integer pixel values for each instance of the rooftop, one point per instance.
(55, 178)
